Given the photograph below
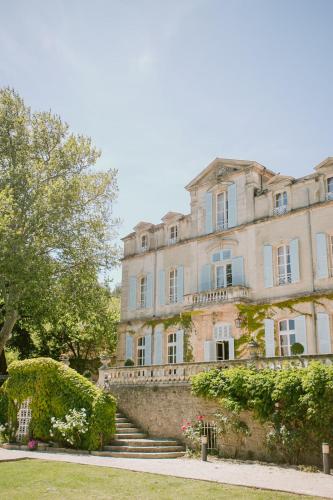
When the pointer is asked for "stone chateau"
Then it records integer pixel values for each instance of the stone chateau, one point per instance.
(252, 237)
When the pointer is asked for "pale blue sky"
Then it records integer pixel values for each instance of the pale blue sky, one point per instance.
(163, 87)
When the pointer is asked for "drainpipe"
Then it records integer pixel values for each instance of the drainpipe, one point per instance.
(313, 308)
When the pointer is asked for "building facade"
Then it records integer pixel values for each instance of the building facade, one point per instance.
(253, 241)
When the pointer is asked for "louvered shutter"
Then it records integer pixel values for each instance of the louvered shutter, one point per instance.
(158, 347)
(238, 271)
(231, 348)
(269, 338)
(268, 266)
(322, 260)
(294, 260)
(205, 278)
(210, 350)
(209, 213)
(300, 332)
(180, 284)
(179, 346)
(149, 302)
(128, 346)
(232, 205)
(323, 331)
(132, 293)
(148, 349)
(161, 287)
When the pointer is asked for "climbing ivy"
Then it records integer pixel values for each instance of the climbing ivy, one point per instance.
(54, 389)
(253, 316)
(296, 404)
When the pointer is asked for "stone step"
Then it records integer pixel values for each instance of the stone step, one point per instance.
(132, 454)
(121, 419)
(143, 449)
(144, 442)
(129, 435)
(124, 425)
(128, 430)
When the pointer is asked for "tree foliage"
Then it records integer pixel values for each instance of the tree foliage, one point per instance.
(56, 212)
(295, 403)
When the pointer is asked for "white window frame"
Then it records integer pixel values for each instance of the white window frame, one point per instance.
(173, 290)
(329, 193)
(144, 237)
(141, 351)
(330, 240)
(227, 274)
(222, 215)
(283, 265)
(172, 348)
(285, 349)
(173, 234)
(280, 203)
(143, 292)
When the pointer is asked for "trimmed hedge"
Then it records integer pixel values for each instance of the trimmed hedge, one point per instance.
(54, 389)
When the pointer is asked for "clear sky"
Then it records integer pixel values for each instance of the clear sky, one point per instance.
(165, 86)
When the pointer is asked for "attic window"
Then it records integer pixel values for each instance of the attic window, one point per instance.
(330, 188)
(173, 235)
(144, 242)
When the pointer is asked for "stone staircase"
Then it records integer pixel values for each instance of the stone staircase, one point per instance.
(131, 442)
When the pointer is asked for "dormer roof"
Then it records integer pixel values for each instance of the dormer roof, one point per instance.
(223, 167)
(172, 216)
(280, 179)
(143, 226)
(325, 163)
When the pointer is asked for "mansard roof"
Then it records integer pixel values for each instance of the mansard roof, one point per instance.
(225, 167)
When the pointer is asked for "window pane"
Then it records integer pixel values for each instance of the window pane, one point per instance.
(330, 185)
(219, 277)
(292, 339)
(291, 324)
(283, 325)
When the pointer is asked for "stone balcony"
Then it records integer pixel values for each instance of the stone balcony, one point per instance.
(182, 372)
(216, 296)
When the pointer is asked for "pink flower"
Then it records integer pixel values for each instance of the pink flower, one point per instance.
(183, 427)
(200, 417)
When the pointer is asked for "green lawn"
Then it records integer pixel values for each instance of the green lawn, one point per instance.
(34, 479)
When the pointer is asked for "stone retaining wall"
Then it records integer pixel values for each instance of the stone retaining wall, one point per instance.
(160, 409)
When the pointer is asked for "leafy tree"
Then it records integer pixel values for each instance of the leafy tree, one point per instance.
(56, 213)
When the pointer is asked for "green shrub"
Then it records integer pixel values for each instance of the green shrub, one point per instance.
(296, 403)
(3, 407)
(297, 349)
(129, 362)
(55, 389)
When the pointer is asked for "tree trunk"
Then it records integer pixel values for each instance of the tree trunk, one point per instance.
(10, 319)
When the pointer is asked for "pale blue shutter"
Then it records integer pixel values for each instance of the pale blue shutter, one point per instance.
(231, 348)
(132, 293)
(161, 287)
(209, 213)
(269, 338)
(129, 346)
(216, 257)
(210, 350)
(300, 332)
(148, 349)
(323, 331)
(294, 260)
(180, 346)
(149, 302)
(268, 266)
(205, 278)
(158, 347)
(232, 205)
(238, 271)
(322, 261)
(180, 284)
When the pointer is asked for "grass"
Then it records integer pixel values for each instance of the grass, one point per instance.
(34, 479)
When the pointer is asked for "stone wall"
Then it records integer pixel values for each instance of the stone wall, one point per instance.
(160, 409)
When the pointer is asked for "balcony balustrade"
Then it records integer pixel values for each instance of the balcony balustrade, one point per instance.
(229, 294)
(283, 209)
(182, 372)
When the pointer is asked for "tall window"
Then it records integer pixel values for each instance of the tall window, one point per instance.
(287, 336)
(144, 242)
(222, 211)
(141, 351)
(143, 291)
(330, 188)
(331, 249)
(283, 265)
(173, 235)
(222, 350)
(173, 286)
(172, 348)
(281, 203)
(223, 276)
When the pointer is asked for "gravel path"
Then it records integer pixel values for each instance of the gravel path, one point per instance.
(256, 475)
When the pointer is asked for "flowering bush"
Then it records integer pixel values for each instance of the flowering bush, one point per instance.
(3, 432)
(194, 430)
(72, 428)
(32, 444)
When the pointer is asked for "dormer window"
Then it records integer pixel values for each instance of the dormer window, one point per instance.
(173, 235)
(144, 243)
(330, 188)
(222, 211)
(281, 203)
